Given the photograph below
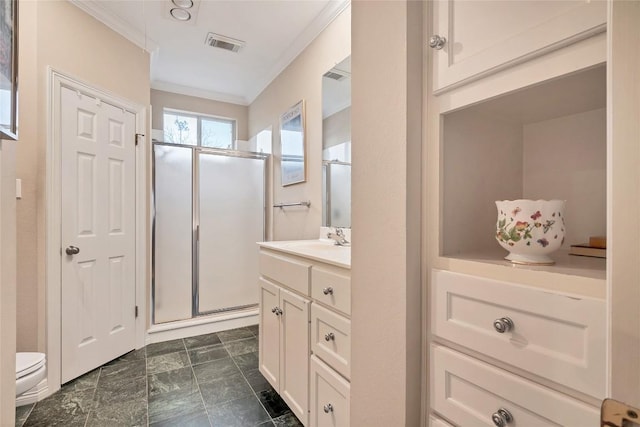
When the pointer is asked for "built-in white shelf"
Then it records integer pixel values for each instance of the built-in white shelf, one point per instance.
(579, 275)
(547, 141)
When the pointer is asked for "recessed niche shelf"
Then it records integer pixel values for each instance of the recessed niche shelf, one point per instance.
(547, 141)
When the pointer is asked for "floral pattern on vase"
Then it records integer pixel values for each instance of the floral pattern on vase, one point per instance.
(530, 229)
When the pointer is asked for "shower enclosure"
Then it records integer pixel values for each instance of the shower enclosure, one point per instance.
(209, 212)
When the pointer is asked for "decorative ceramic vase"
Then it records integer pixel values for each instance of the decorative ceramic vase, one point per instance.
(530, 229)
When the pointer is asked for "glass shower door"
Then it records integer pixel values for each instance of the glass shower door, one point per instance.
(230, 211)
(172, 233)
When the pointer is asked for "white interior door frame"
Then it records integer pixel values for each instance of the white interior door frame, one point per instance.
(53, 240)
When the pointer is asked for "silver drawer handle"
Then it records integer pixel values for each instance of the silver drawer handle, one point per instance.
(502, 325)
(328, 408)
(330, 337)
(437, 42)
(328, 291)
(501, 417)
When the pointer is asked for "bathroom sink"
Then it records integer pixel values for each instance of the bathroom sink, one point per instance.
(321, 250)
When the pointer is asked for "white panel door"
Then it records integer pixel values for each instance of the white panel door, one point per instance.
(487, 35)
(98, 222)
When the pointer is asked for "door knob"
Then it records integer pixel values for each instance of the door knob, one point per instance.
(437, 42)
(328, 408)
(72, 250)
(330, 337)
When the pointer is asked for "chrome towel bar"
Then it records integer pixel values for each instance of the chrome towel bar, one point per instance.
(285, 205)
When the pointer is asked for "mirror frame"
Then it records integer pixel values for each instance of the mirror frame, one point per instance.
(290, 170)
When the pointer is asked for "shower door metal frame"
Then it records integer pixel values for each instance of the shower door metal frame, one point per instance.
(195, 219)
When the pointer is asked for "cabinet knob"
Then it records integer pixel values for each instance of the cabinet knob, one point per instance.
(437, 42)
(328, 291)
(279, 312)
(328, 408)
(330, 337)
(502, 325)
(501, 417)
(274, 310)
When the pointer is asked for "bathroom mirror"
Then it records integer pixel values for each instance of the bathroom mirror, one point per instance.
(292, 163)
(336, 145)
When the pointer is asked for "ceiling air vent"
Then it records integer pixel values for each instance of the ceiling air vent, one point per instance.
(336, 74)
(222, 42)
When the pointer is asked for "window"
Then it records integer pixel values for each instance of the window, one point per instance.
(193, 129)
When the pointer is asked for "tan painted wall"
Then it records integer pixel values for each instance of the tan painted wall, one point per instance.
(161, 100)
(385, 269)
(302, 79)
(57, 34)
(7, 282)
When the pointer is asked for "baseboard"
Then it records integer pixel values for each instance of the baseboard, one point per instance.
(36, 394)
(202, 325)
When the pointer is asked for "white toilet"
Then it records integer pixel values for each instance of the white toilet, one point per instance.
(31, 368)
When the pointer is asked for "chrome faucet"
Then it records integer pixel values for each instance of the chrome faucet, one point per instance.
(338, 237)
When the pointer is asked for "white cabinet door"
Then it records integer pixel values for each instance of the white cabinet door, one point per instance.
(294, 353)
(330, 397)
(269, 340)
(483, 37)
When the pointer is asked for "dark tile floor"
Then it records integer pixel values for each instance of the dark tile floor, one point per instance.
(207, 380)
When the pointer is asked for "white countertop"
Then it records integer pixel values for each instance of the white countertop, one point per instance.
(323, 250)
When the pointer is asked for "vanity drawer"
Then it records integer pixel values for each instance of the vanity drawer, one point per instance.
(331, 339)
(468, 392)
(331, 289)
(554, 336)
(330, 397)
(289, 272)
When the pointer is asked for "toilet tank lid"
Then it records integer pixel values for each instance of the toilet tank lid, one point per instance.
(28, 362)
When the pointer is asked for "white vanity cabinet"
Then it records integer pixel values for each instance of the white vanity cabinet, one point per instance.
(305, 329)
(482, 37)
(284, 330)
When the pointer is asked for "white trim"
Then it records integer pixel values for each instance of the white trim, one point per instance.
(202, 325)
(36, 394)
(114, 22)
(199, 93)
(53, 236)
(301, 42)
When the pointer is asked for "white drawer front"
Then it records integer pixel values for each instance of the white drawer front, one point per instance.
(557, 337)
(468, 392)
(330, 400)
(287, 271)
(331, 339)
(331, 289)
(437, 422)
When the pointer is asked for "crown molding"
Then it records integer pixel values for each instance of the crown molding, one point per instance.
(199, 93)
(116, 23)
(311, 32)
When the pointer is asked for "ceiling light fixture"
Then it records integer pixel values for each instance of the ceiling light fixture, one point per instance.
(180, 14)
(183, 4)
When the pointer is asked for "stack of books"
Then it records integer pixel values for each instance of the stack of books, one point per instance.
(597, 247)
